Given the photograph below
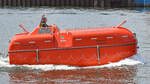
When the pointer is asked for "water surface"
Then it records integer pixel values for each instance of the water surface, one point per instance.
(124, 72)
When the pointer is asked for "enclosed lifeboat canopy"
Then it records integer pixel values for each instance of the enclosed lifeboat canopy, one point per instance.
(77, 47)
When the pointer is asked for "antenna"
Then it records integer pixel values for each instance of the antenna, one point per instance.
(124, 21)
(24, 29)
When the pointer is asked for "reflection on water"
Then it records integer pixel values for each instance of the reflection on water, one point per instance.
(116, 75)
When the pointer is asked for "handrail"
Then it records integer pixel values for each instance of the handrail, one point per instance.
(72, 48)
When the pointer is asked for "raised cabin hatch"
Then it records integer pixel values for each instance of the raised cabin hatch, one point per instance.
(64, 39)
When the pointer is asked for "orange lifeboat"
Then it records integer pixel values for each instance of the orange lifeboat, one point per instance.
(77, 47)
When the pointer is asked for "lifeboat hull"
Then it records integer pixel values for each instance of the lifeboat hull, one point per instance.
(78, 56)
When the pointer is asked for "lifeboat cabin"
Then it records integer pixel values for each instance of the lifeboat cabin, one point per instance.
(76, 47)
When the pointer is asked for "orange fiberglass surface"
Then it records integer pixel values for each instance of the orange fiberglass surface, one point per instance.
(76, 47)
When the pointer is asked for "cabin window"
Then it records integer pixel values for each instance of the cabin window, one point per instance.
(109, 37)
(124, 36)
(93, 38)
(16, 43)
(44, 30)
(31, 42)
(78, 39)
(47, 41)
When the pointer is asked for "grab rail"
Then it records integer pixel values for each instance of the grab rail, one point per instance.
(72, 48)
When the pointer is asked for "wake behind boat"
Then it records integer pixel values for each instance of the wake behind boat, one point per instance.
(78, 47)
